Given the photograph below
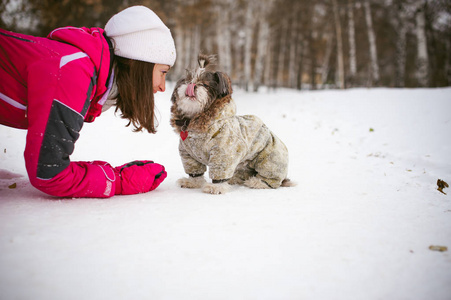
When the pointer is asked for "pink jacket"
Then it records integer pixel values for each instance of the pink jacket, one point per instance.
(50, 86)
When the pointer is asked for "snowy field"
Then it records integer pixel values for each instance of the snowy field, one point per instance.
(357, 226)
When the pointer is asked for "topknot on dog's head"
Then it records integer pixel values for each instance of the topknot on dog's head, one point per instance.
(205, 60)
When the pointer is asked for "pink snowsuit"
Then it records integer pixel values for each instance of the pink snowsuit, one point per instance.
(50, 86)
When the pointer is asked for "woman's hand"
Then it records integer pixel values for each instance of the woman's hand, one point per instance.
(138, 177)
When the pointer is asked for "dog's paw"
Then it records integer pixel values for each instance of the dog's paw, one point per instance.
(235, 180)
(256, 183)
(216, 188)
(288, 183)
(191, 182)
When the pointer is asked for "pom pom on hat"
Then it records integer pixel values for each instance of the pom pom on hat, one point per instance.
(138, 33)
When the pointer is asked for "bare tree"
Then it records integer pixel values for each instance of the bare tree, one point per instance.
(374, 65)
(282, 52)
(269, 62)
(326, 62)
(398, 17)
(295, 43)
(447, 70)
(340, 81)
(422, 62)
(249, 38)
(180, 44)
(351, 39)
(262, 43)
(310, 41)
(224, 35)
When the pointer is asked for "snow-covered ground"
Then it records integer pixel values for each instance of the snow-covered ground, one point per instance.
(357, 226)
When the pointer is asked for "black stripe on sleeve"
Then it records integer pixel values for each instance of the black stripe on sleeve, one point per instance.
(16, 37)
(62, 130)
(92, 84)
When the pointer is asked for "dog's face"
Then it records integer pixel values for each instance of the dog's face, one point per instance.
(195, 92)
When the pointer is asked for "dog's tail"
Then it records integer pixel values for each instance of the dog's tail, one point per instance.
(288, 183)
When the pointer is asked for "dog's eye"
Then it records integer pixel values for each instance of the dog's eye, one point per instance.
(203, 85)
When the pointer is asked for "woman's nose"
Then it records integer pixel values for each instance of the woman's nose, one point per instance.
(162, 85)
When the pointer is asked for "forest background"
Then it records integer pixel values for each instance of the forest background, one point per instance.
(300, 44)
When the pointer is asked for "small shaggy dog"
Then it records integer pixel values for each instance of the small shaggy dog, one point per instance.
(236, 149)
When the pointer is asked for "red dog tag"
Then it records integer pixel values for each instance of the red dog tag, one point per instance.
(183, 134)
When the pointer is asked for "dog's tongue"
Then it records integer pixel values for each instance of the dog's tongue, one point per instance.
(190, 90)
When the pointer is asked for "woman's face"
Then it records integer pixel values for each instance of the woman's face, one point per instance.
(159, 77)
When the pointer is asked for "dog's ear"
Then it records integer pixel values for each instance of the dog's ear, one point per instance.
(224, 84)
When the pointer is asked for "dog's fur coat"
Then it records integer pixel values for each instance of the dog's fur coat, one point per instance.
(236, 149)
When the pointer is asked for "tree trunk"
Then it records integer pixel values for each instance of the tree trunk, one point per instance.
(179, 42)
(224, 38)
(448, 61)
(340, 81)
(325, 68)
(269, 63)
(301, 56)
(196, 44)
(238, 60)
(374, 66)
(187, 47)
(422, 62)
(262, 44)
(294, 45)
(249, 30)
(351, 38)
(399, 22)
(282, 52)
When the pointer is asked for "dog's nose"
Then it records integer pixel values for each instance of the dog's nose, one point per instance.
(190, 90)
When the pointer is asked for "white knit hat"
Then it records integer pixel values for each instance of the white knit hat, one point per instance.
(138, 33)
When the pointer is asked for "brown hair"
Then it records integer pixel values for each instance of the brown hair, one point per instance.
(135, 92)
